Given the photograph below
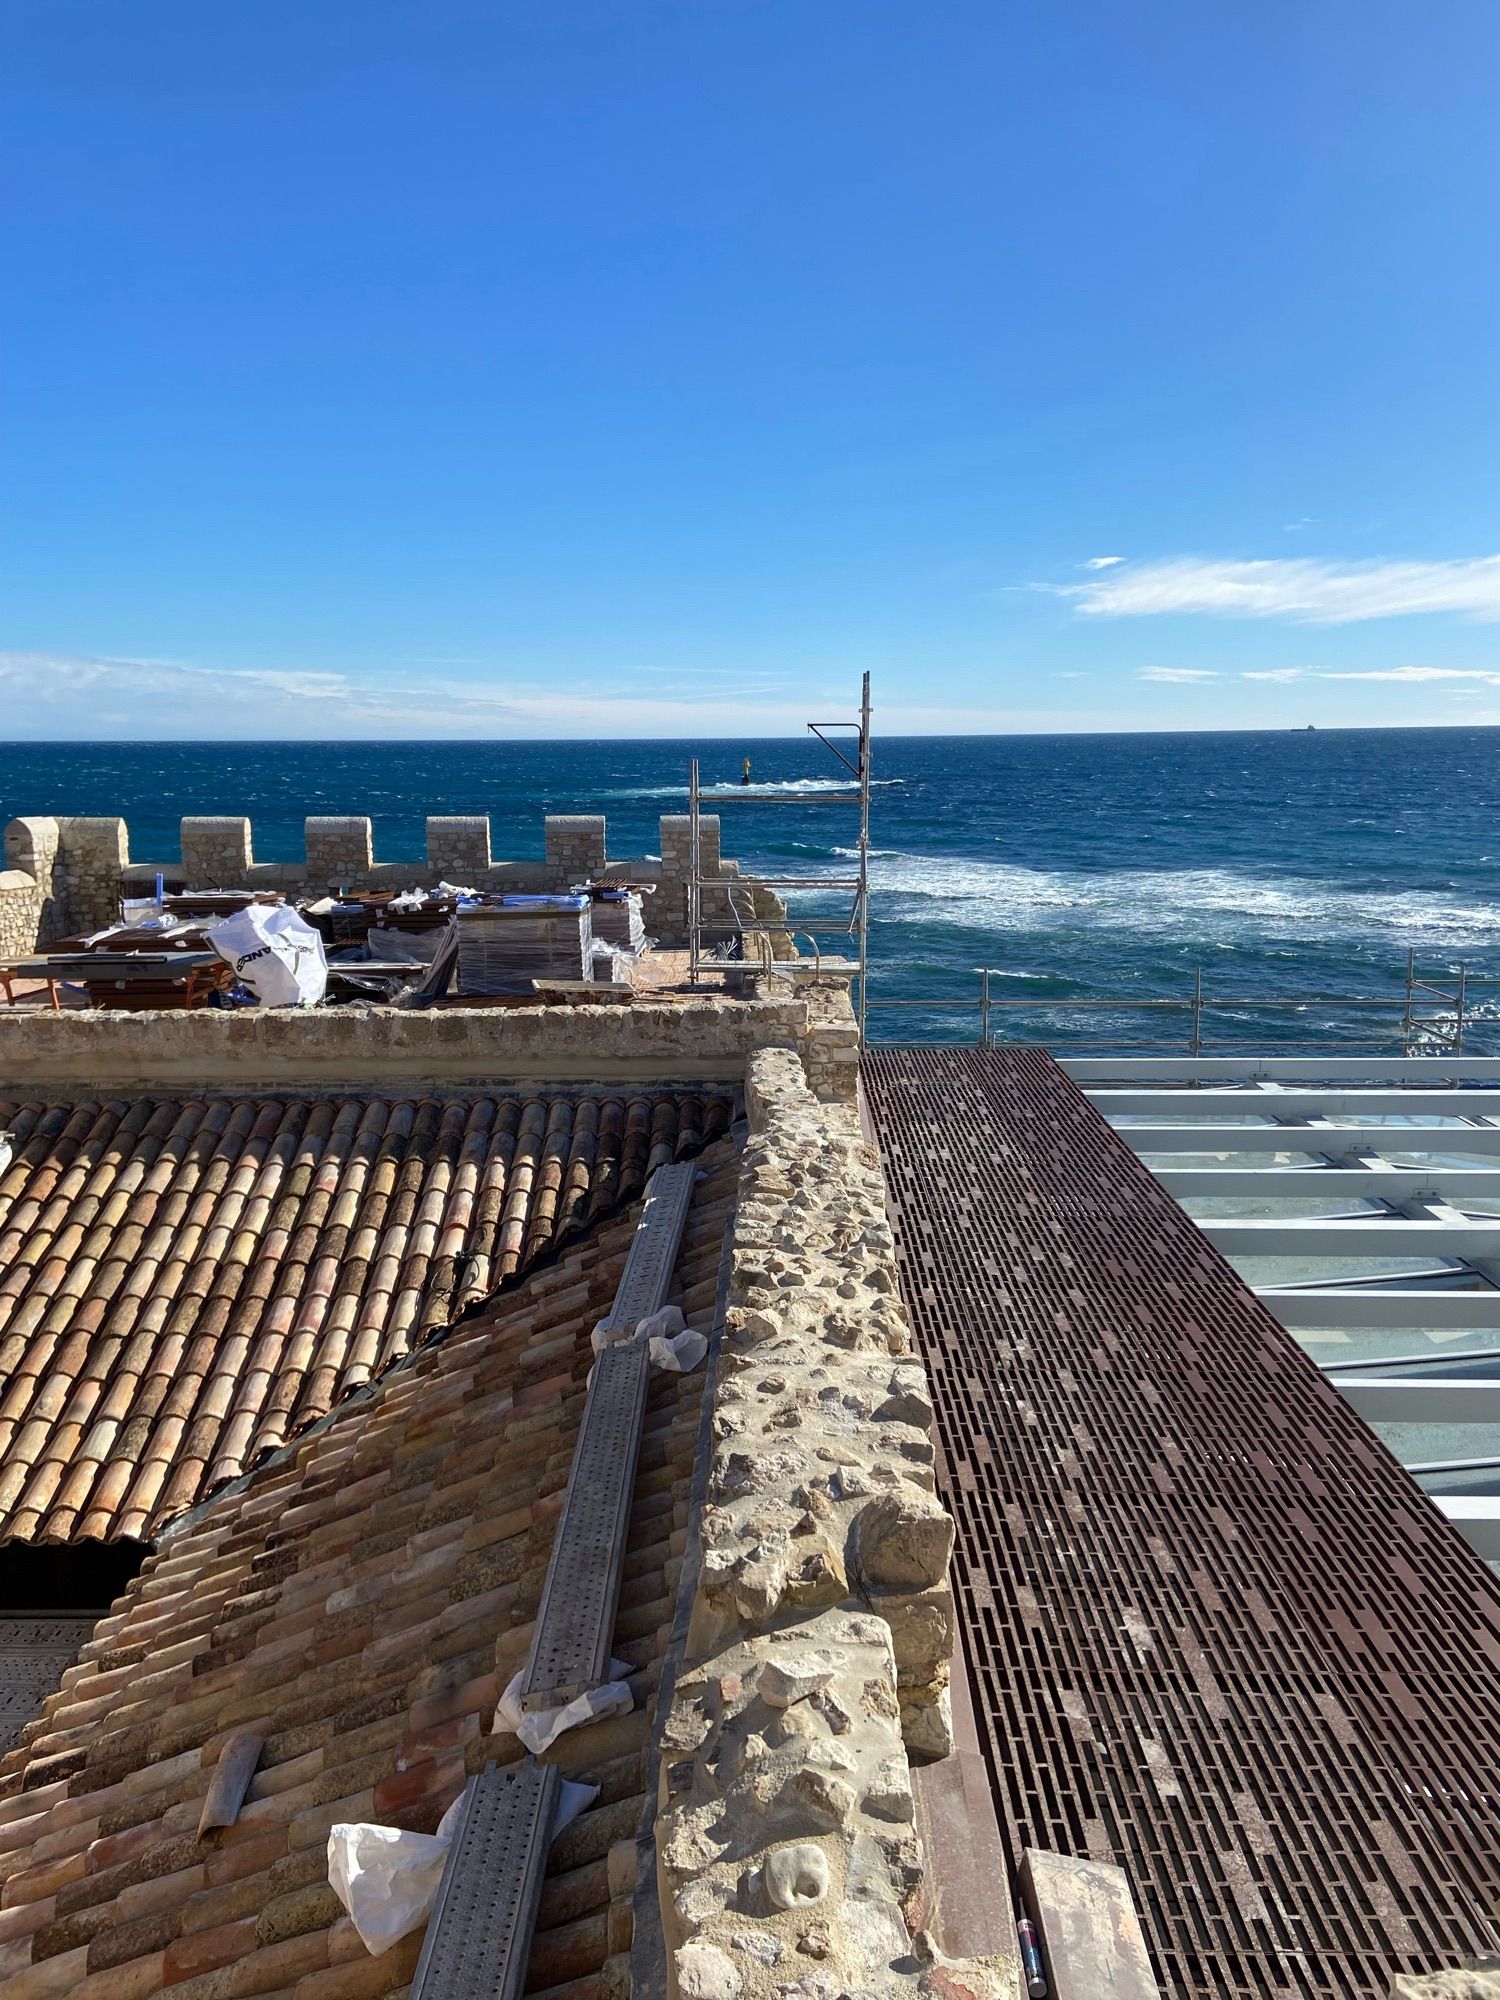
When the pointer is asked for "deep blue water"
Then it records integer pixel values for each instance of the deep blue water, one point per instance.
(1286, 863)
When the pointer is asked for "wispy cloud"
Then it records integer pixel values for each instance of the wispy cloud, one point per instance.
(1490, 676)
(71, 696)
(1177, 674)
(1312, 590)
(1103, 562)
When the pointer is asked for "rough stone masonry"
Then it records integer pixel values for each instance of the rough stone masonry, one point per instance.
(822, 1631)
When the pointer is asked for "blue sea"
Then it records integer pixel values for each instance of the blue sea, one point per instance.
(1279, 865)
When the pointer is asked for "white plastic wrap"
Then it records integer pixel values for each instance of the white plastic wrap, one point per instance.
(388, 1880)
(278, 956)
(543, 1726)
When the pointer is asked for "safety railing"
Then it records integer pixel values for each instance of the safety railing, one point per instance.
(1429, 1019)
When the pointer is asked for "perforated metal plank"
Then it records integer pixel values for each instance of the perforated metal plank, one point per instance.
(653, 1250)
(1219, 1637)
(479, 1935)
(576, 1620)
(33, 1654)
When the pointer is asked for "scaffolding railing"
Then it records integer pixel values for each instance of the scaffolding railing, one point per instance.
(734, 926)
(1432, 1019)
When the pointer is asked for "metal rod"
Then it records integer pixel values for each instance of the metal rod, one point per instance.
(1458, 1017)
(1196, 1041)
(864, 852)
(984, 1009)
(694, 863)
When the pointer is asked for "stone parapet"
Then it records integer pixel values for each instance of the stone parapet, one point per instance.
(82, 867)
(575, 846)
(340, 849)
(360, 1047)
(216, 853)
(822, 1626)
(458, 848)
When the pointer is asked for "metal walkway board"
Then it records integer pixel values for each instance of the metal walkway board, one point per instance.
(1219, 1638)
(653, 1250)
(479, 1936)
(575, 1621)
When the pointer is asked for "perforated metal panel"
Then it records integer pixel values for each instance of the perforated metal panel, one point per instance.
(1218, 1635)
(576, 1621)
(479, 1935)
(653, 1251)
(33, 1654)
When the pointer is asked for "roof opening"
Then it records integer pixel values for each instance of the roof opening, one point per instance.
(53, 1595)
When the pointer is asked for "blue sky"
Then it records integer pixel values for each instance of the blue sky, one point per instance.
(576, 369)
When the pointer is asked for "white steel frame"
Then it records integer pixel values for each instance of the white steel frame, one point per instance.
(1302, 1106)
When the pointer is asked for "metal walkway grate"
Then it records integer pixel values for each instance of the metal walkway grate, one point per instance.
(1218, 1636)
(653, 1249)
(479, 1935)
(575, 1622)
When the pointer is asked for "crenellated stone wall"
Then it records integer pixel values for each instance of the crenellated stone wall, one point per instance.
(71, 873)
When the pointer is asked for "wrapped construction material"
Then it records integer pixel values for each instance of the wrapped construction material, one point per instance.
(618, 919)
(504, 946)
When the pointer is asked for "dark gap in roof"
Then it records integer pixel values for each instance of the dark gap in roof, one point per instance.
(66, 1579)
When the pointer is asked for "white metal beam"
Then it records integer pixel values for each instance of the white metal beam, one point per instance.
(1457, 1103)
(1206, 1138)
(1398, 1399)
(1477, 1518)
(1341, 1070)
(1335, 1183)
(1383, 1306)
(1379, 1236)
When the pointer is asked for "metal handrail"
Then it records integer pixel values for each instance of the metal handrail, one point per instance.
(1440, 1019)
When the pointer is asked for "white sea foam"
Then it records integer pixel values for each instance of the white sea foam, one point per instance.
(755, 787)
(990, 896)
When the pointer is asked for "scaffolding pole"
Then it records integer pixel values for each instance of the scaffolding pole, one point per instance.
(858, 926)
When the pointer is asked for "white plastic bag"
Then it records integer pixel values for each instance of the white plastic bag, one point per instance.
(388, 1880)
(278, 956)
(541, 1728)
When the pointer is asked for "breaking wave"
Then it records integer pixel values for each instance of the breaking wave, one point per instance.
(1211, 902)
(754, 787)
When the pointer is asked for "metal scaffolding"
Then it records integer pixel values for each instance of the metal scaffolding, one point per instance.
(734, 925)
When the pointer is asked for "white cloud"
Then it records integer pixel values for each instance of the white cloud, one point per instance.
(1103, 562)
(1176, 674)
(1312, 590)
(53, 695)
(1491, 676)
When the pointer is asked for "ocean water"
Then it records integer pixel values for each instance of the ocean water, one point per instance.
(1279, 865)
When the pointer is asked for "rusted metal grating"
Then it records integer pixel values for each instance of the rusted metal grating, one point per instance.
(1218, 1635)
(479, 1936)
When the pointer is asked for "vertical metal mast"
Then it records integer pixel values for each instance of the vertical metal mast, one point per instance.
(857, 926)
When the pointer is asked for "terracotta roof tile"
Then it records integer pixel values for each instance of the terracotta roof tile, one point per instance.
(359, 1602)
(187, 1284)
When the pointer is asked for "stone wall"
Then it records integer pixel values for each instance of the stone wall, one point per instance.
(822, 1627)
(252, 1048)
(81, 868)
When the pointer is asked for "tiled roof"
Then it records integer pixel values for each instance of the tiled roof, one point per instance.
(187, 1283)
(360, 1602)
